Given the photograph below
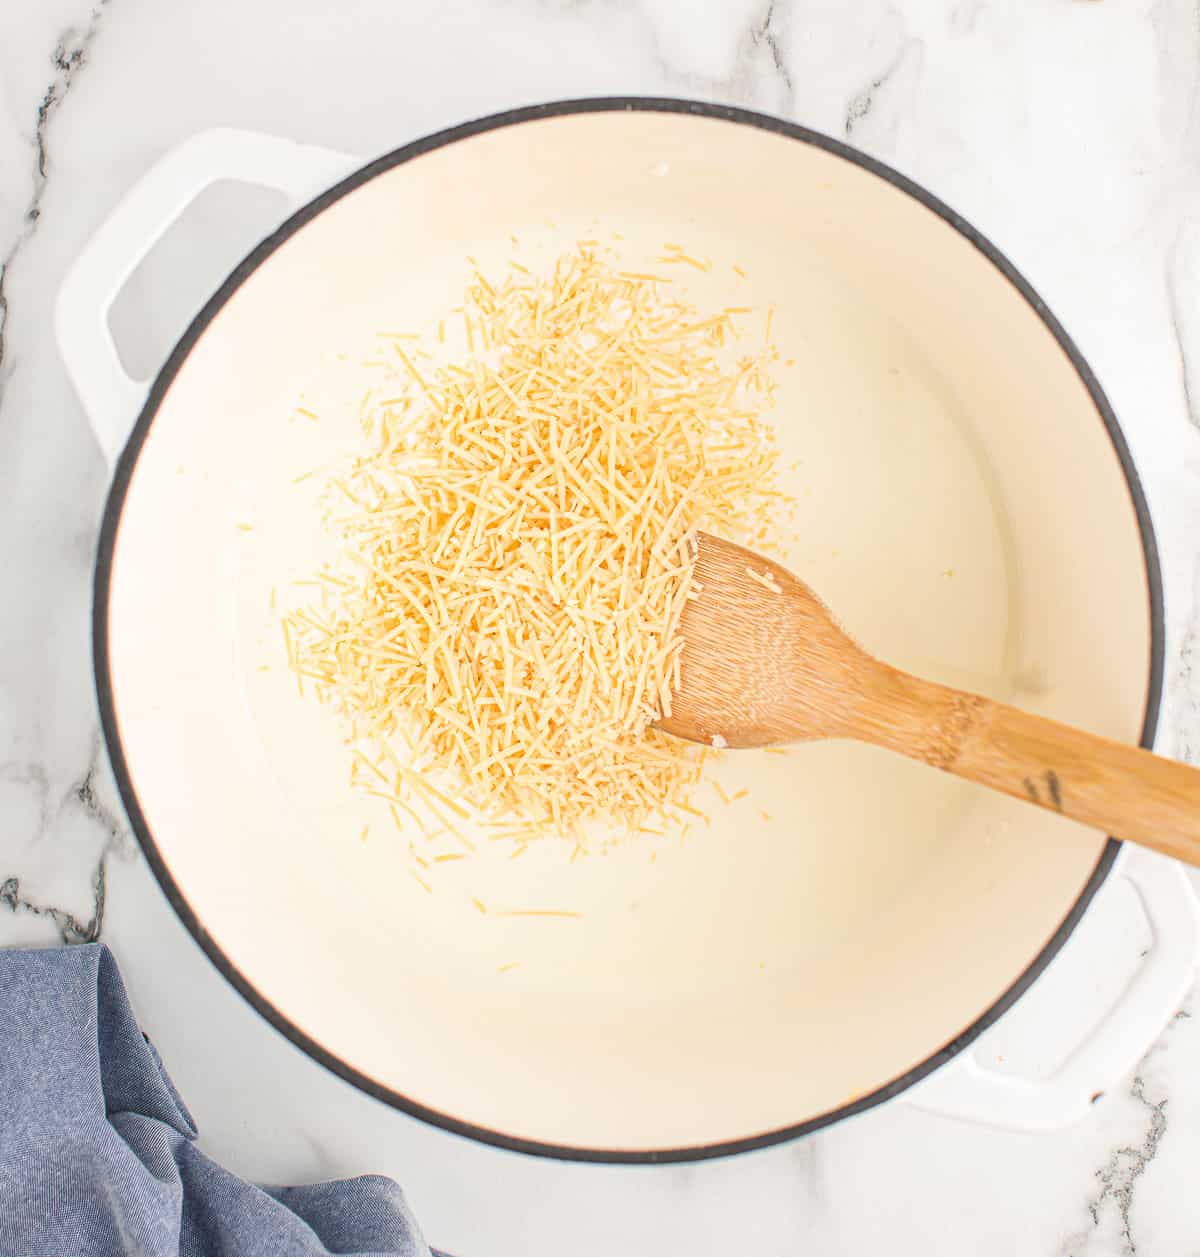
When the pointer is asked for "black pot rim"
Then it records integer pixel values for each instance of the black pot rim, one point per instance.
(119, 490)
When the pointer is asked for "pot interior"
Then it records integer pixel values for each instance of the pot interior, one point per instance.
(960, 506)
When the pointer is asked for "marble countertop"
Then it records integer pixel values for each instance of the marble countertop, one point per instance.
(1068, 131)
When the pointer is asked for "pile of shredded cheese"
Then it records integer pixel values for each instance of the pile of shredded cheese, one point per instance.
(518, 549)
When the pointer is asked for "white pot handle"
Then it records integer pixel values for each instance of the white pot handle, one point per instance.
(110, 396)
(966, 1089)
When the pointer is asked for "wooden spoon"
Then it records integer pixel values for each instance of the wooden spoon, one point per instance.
(764, 661)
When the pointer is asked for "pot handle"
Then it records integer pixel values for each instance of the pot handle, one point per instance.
(966, 1089)
(111, 397)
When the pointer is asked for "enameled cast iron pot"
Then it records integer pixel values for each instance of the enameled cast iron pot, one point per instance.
(967, 504)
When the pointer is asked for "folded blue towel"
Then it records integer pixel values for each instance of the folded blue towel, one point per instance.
(97, 1151)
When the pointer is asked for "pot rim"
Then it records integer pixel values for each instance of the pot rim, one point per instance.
(119, 489)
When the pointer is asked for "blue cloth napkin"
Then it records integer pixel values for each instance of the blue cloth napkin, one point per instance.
(97, 1151)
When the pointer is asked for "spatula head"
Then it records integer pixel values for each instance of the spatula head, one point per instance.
(763, 660)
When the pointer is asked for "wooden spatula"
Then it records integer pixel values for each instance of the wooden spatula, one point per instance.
(764, 662)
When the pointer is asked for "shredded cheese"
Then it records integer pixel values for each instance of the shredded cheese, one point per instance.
(518, 549)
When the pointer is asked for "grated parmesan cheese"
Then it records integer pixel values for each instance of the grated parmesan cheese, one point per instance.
(518, 549)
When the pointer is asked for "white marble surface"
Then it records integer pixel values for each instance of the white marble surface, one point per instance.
(1067, 130)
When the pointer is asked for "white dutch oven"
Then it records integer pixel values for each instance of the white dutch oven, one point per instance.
(966, 503)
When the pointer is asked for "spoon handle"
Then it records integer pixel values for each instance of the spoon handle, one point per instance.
(1123, 790)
